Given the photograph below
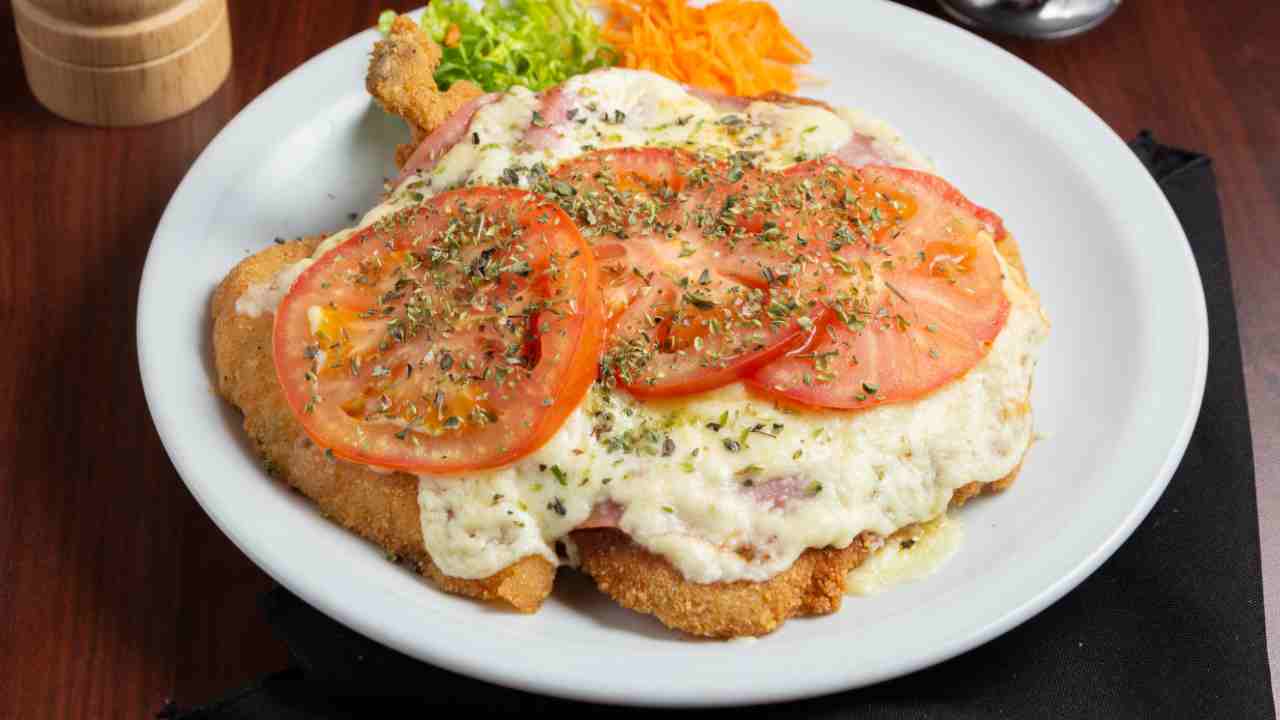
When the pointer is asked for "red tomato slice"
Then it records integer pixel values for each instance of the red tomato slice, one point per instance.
(457, 335)
(680, 319)
(911, 276)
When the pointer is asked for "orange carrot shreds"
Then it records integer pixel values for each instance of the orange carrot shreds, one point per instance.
(739, 47)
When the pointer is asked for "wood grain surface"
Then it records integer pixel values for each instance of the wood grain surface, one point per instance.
(117, 593)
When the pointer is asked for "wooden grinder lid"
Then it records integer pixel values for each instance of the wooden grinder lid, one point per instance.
(123, 62)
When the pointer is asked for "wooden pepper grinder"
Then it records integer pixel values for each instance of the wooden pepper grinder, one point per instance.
(123, 62)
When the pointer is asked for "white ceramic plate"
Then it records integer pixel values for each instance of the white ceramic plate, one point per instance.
(1116, 394)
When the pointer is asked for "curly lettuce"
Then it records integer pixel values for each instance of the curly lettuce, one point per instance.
(534, 43)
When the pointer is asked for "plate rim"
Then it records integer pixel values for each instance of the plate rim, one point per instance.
(311, 591)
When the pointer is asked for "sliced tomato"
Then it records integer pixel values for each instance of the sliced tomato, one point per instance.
(457, 335)
(681, 319)
(911, 277)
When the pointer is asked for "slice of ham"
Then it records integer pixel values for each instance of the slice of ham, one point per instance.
(434, 146)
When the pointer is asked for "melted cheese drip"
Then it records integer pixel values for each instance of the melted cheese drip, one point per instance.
(908, 559)
(685, 492)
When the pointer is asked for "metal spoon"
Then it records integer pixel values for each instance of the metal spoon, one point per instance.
(1031, 18)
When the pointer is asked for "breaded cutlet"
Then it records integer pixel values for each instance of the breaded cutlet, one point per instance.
(383, 507)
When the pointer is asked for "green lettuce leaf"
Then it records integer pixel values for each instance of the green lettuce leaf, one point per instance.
(534, 43)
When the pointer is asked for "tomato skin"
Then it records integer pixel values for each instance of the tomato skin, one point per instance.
(941, 307)
(682, 318)
(793, 338)
(454, 336)
(460, 335)
(578, 377)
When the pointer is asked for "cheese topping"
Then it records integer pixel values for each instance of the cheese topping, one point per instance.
(729, 487)
(724, 485)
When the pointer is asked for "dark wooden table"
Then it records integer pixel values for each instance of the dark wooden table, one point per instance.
(117, 593)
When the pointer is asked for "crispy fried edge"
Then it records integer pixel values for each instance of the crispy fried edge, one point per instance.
(648, 583)
(382, 508)
(401, 77)
(814, 585)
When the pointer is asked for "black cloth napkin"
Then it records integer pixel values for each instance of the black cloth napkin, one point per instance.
(1171, 625)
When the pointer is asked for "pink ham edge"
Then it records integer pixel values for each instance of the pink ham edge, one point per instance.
(778, 491)
(774, 493)
(861, 151)
(554, 110)
(434, 146)
(604, 515)
(719, 99)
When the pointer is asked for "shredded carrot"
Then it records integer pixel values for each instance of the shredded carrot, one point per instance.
(739, 47)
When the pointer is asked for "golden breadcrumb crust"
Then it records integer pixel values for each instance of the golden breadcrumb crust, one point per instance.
(647, 583)
(401, 78)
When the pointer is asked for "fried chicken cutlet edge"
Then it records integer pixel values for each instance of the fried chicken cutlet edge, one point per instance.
(401, 77)
(382, 508)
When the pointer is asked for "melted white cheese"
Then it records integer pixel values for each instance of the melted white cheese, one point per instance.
(684, 492)
(693, 500)
(264, 297)
(628, 108)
